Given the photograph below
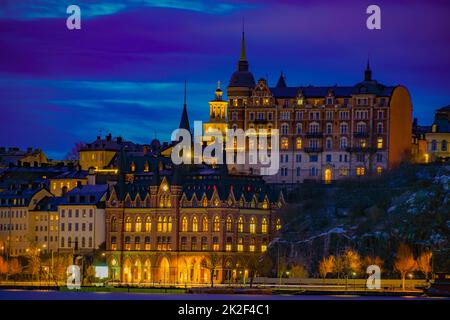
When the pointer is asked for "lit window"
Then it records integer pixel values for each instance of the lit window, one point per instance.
(264, 225)
(363, 143)
(263, 248)
(253, 225)
(133, 167)
(138, 225)
(298, 143)
(379, 170)
(240, 224)
(360, 171)
(184, 224)
(284, 143)
(205, 224)
(148, 224)
(159, 226)
(169, 225)
(252, 245)
(278, 224)
(215, 244)
(194, 224)
(240, 246)
(128, 224)
(380, 143)
(216, 226)
(229, 225)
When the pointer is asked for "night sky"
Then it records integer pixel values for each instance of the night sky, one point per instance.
(123, 72)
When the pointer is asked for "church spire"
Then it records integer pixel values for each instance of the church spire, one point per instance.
(243, 56)
(243, 63)
(184, 122)
(368, 72)
(281, 81)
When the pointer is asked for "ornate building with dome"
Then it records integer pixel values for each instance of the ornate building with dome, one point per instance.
(326, 133)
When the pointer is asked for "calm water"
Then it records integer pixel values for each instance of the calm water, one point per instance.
(56, 295)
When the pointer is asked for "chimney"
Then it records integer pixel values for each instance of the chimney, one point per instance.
(99, 138)
(79, 185)
(91, 176)
(63, 191)
(109, 137)
(119, 140)
(29, 150)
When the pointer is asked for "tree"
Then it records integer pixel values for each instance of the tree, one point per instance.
(3, 267)
(404, 262)
(90, 274)
(14, 267)
(74, 153)
(339, 265)
(352, 262)
(371, 260)
(326, 266)
(34, 262)
(211, 264)
(298, 271)
(423, 262)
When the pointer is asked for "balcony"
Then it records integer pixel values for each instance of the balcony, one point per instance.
(314, 135)
(361, 150)
(361, 134)
(260, 121)
(313, 150)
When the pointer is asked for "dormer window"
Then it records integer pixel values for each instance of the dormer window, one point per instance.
(132, 167)
(434, 128)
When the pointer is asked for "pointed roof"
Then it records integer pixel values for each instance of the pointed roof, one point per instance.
(184, 122)
(368, 72)
(281, 81)
(243, 56)
(242, 77)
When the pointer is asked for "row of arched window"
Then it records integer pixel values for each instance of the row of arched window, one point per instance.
(195, 244)
(165, 224)
(194, 225)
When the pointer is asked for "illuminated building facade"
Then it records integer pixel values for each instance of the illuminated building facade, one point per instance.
(101, 153)
(16, 220)
(168, 224)
(82, 219)
(217, 114)
(438, 139)
(326, 133)
(44, 225)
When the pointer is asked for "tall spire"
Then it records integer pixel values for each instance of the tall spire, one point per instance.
(243, 56)
(281, 81)
(243, 63)
(184, 122)
(368, 71)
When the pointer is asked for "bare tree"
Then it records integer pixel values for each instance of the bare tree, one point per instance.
(211, 264)
(423, 262)
(404, 262)
(74, 153)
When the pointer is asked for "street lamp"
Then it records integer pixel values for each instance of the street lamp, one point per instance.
(354, 280)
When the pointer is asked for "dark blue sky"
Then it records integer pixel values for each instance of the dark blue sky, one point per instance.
(123, 72)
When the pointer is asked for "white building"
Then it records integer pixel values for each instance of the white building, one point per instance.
(82, 219)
